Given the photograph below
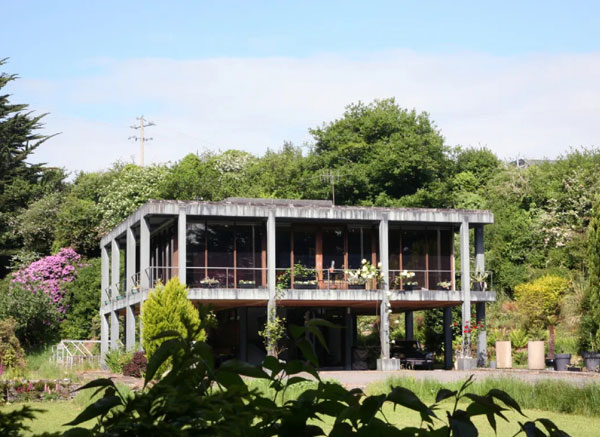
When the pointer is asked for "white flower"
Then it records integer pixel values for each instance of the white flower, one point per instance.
(379, 264)
(393, 341)
(364, 261)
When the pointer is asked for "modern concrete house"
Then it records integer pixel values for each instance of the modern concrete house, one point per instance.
(232, 255)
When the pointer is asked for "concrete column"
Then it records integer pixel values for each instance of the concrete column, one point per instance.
(465, 274)
(349, 336)
(384, 330)
(114, 330)
(182, 245)
(104, 341)
(409, 330)
(105, 275)
(129, 328)
(448, 358)
(115, 255)
(480, 306)
(271, 278)
(141, 326)
(243, 321)
(130, 260)
(145, 254)
(482, 336)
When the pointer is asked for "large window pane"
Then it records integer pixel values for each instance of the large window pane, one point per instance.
(414, 247)
(333, 248)
(304, 248)
(220, 253)
(195, 246)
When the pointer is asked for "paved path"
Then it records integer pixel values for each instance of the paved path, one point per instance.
(362, 378)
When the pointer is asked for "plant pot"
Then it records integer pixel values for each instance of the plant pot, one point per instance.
(305, 286)
(591, 361)
(562, 361)
(356, 286)
(493, 364)
(410, 287)
(246, 285)
(466, 363)
(504, 355)
(536, 355)
(207, 285)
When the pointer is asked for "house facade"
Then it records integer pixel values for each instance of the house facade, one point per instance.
(252, 258)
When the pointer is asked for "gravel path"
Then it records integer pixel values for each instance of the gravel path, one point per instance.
(360, 379)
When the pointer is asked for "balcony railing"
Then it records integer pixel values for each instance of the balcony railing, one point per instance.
(332, 279)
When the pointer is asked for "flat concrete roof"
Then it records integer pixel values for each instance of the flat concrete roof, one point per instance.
(309, 210)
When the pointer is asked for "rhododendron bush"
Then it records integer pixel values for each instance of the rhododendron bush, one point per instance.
(49, 275)
(35, 297)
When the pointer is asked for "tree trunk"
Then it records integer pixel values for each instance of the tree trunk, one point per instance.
(551, 342)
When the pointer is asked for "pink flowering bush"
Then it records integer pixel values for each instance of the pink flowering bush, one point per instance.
(50, 275)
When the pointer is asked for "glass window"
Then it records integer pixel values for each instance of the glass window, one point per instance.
(220, 253)
(333, 248)
(195, 251)
(414, 248)
(282, 248)
(304, 248)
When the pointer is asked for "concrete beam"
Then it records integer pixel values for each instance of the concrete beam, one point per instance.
(448, 352)
(105, 274)
(114, 330)
(409, 330)
(316, 212)
(271, 278)
(104, 340)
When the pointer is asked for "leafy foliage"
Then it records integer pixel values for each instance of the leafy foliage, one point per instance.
(196, 397)
(116, 359)
(589, 330)
(11, 352)
(137, 366)
(81, 298)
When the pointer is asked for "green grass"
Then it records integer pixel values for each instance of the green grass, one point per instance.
(549, 395)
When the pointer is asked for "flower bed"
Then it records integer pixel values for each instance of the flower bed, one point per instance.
(37, 390)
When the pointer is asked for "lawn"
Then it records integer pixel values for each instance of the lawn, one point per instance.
(58, 413)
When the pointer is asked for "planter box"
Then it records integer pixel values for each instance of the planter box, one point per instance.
(503, 355)
(591, 361)
(410, 287)
(305, 286)
(207, 285)
(562, 361)
(356, 286)
(535, 355)
(466, 363)
(246, 285)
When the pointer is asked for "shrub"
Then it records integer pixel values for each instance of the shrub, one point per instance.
(166, 309)
(137, 366)
(540, 301)
(11, 352)
(518, 338)
(116, 359)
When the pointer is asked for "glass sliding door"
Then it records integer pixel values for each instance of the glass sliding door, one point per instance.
(195, 252)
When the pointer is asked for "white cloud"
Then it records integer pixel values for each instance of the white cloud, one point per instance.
(529, 106)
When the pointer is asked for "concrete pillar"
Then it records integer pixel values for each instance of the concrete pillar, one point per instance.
(271, 278)
(448, 358)
(115, 255)
(182, 245)
(114, 329)
(243, 321)
(129, 328)
(145, 254)
(482, 336)
(465, 275)
(349, 336)
(384, 329)
(480, 306)
(105, 275)
(104, 341)
(141, 326)
(409, 330)
(130, 260)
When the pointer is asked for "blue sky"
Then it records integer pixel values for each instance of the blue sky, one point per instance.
(518, 77)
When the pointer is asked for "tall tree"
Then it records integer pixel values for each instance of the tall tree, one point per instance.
(20, 181)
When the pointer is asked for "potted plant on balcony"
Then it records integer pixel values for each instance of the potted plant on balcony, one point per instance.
(478, 280)
(208, 282)
(243, 283)
(366, 276)
(304, 277)
(403, 280)
(444, 285)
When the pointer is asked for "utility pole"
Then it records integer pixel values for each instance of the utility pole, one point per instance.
(141, 138)
(331, 177)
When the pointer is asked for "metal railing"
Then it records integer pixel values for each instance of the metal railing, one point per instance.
(323, 279)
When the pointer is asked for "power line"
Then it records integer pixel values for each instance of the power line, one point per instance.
(141, 138)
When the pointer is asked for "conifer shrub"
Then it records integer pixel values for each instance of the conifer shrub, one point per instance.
(11, 352)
